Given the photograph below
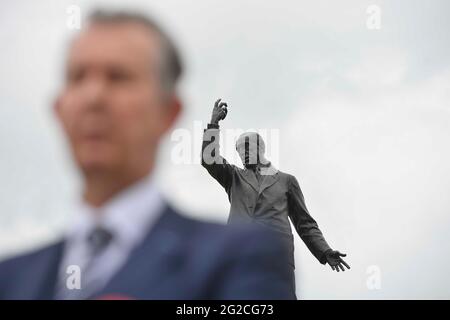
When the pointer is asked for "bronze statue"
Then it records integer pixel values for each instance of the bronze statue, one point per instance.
(261, 194)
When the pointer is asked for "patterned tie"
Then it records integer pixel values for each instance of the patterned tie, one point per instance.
(97, 241)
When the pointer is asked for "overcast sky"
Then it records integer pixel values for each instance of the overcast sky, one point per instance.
(362, 118)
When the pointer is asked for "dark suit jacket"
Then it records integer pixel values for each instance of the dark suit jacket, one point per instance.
(180, 258)
(278, 198)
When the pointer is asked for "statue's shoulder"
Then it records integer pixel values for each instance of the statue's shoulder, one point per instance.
(281, 175)
(287, 177)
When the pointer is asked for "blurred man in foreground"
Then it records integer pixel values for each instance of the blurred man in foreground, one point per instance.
(118, 100)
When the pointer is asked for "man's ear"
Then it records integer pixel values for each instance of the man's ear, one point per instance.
(174, 109)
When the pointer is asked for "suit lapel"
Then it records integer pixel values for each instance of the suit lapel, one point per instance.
(270, 175)
(268, 181)
(150, 263)
(249, 177)
(45, 273)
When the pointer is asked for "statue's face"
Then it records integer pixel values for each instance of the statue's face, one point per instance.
(248, 149)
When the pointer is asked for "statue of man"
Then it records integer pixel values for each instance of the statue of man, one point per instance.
(261, 194)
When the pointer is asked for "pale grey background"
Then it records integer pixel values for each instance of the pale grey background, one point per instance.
(364, 120)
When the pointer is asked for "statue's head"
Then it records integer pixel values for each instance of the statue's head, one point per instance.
(251, 149)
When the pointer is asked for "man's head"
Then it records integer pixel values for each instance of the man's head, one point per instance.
(119, 95)
(251, 148)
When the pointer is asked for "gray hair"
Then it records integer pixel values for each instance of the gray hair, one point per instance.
(172, 67)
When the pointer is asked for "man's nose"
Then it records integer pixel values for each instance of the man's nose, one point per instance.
(94, 91)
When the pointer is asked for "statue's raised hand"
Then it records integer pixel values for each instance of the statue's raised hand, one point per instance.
(219, 111)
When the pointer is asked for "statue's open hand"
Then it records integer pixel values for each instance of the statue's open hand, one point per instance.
(335, 261)
(219, 111)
